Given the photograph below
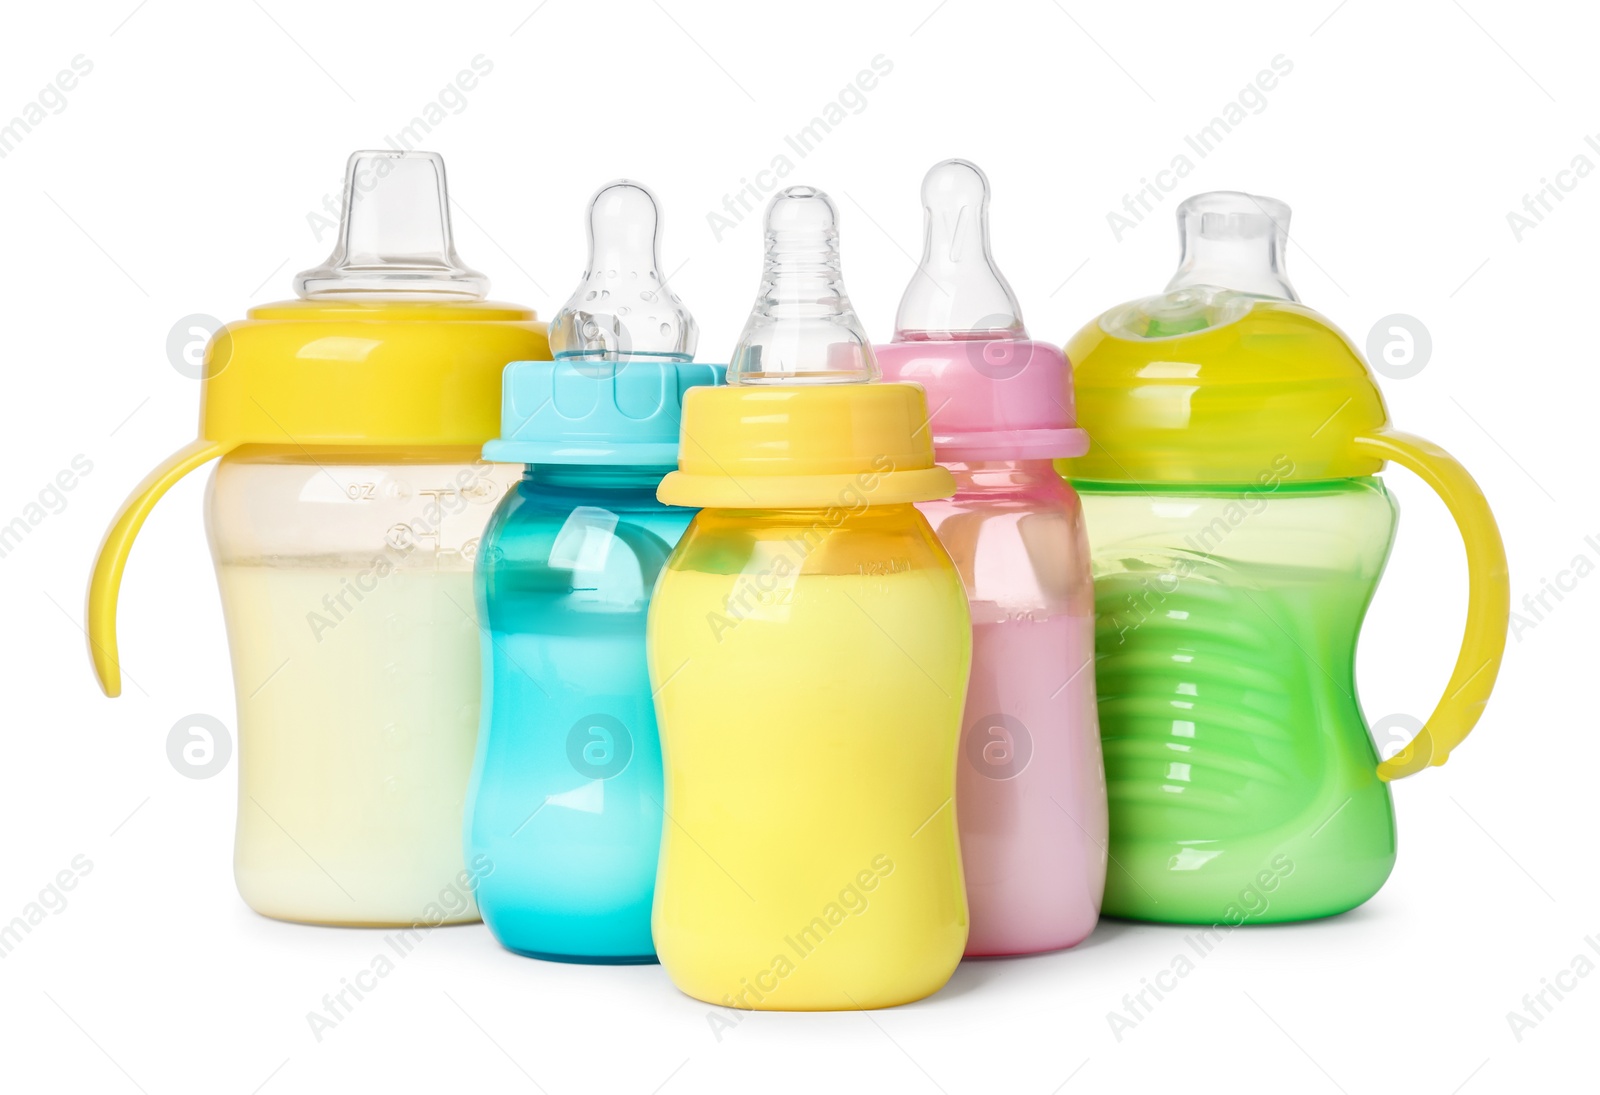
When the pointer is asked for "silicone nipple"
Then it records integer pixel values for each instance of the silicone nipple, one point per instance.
(957, 291)
(1234, 241)
(803, 329)
(621, 309)
(394, 233)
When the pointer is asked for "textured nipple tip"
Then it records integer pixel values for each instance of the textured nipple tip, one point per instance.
(802, 328)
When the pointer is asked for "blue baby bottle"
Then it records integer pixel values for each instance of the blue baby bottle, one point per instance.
(565, 801)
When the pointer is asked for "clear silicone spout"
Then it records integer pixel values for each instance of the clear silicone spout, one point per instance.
(957, 291)
(1234, 241)
(1233, 249)
(803, 329)
(394, 233)
(622, 308)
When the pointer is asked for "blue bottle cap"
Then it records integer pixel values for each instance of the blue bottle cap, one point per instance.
(588, 411)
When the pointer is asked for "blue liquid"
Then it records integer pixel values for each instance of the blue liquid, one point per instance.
(565, 801)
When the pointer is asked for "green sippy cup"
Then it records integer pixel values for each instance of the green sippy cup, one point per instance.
(1237, 532)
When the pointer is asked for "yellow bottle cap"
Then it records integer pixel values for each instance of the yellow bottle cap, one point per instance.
(805, 447)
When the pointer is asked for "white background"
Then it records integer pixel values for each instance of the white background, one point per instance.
(178, 180)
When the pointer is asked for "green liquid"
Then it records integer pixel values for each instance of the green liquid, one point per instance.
(1240, 772)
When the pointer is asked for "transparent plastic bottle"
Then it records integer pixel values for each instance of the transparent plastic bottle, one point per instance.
(566, 790)
(809, 644)
(1238, 534)
(1030, 788)
(344, 516)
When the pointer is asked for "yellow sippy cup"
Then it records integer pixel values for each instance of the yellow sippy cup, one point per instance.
(809, 645)
(344, 515)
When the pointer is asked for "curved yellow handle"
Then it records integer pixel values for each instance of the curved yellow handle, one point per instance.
(1488, 600)
(114, 549)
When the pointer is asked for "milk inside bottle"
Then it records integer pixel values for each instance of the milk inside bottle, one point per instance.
(344, 516)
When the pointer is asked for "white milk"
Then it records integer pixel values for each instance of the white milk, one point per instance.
(358, 685)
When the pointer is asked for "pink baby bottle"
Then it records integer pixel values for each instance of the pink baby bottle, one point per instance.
(1030, 788)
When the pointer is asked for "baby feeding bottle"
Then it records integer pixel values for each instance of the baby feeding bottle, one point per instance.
(566, 790)
(809, 644)
(1238, 531)
(343, 516)
(1030, 789)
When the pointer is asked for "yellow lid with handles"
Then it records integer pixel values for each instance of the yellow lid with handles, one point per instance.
(391, 347)
(364, 372)
(1225, 374)
(1220, 403)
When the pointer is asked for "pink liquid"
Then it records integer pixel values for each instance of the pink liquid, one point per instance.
(1030, 786)
(1030, 791)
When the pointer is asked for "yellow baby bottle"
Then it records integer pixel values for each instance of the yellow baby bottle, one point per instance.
(809, 644)
(344, 515)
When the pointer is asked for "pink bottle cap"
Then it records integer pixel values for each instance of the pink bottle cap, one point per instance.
(993, 393)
